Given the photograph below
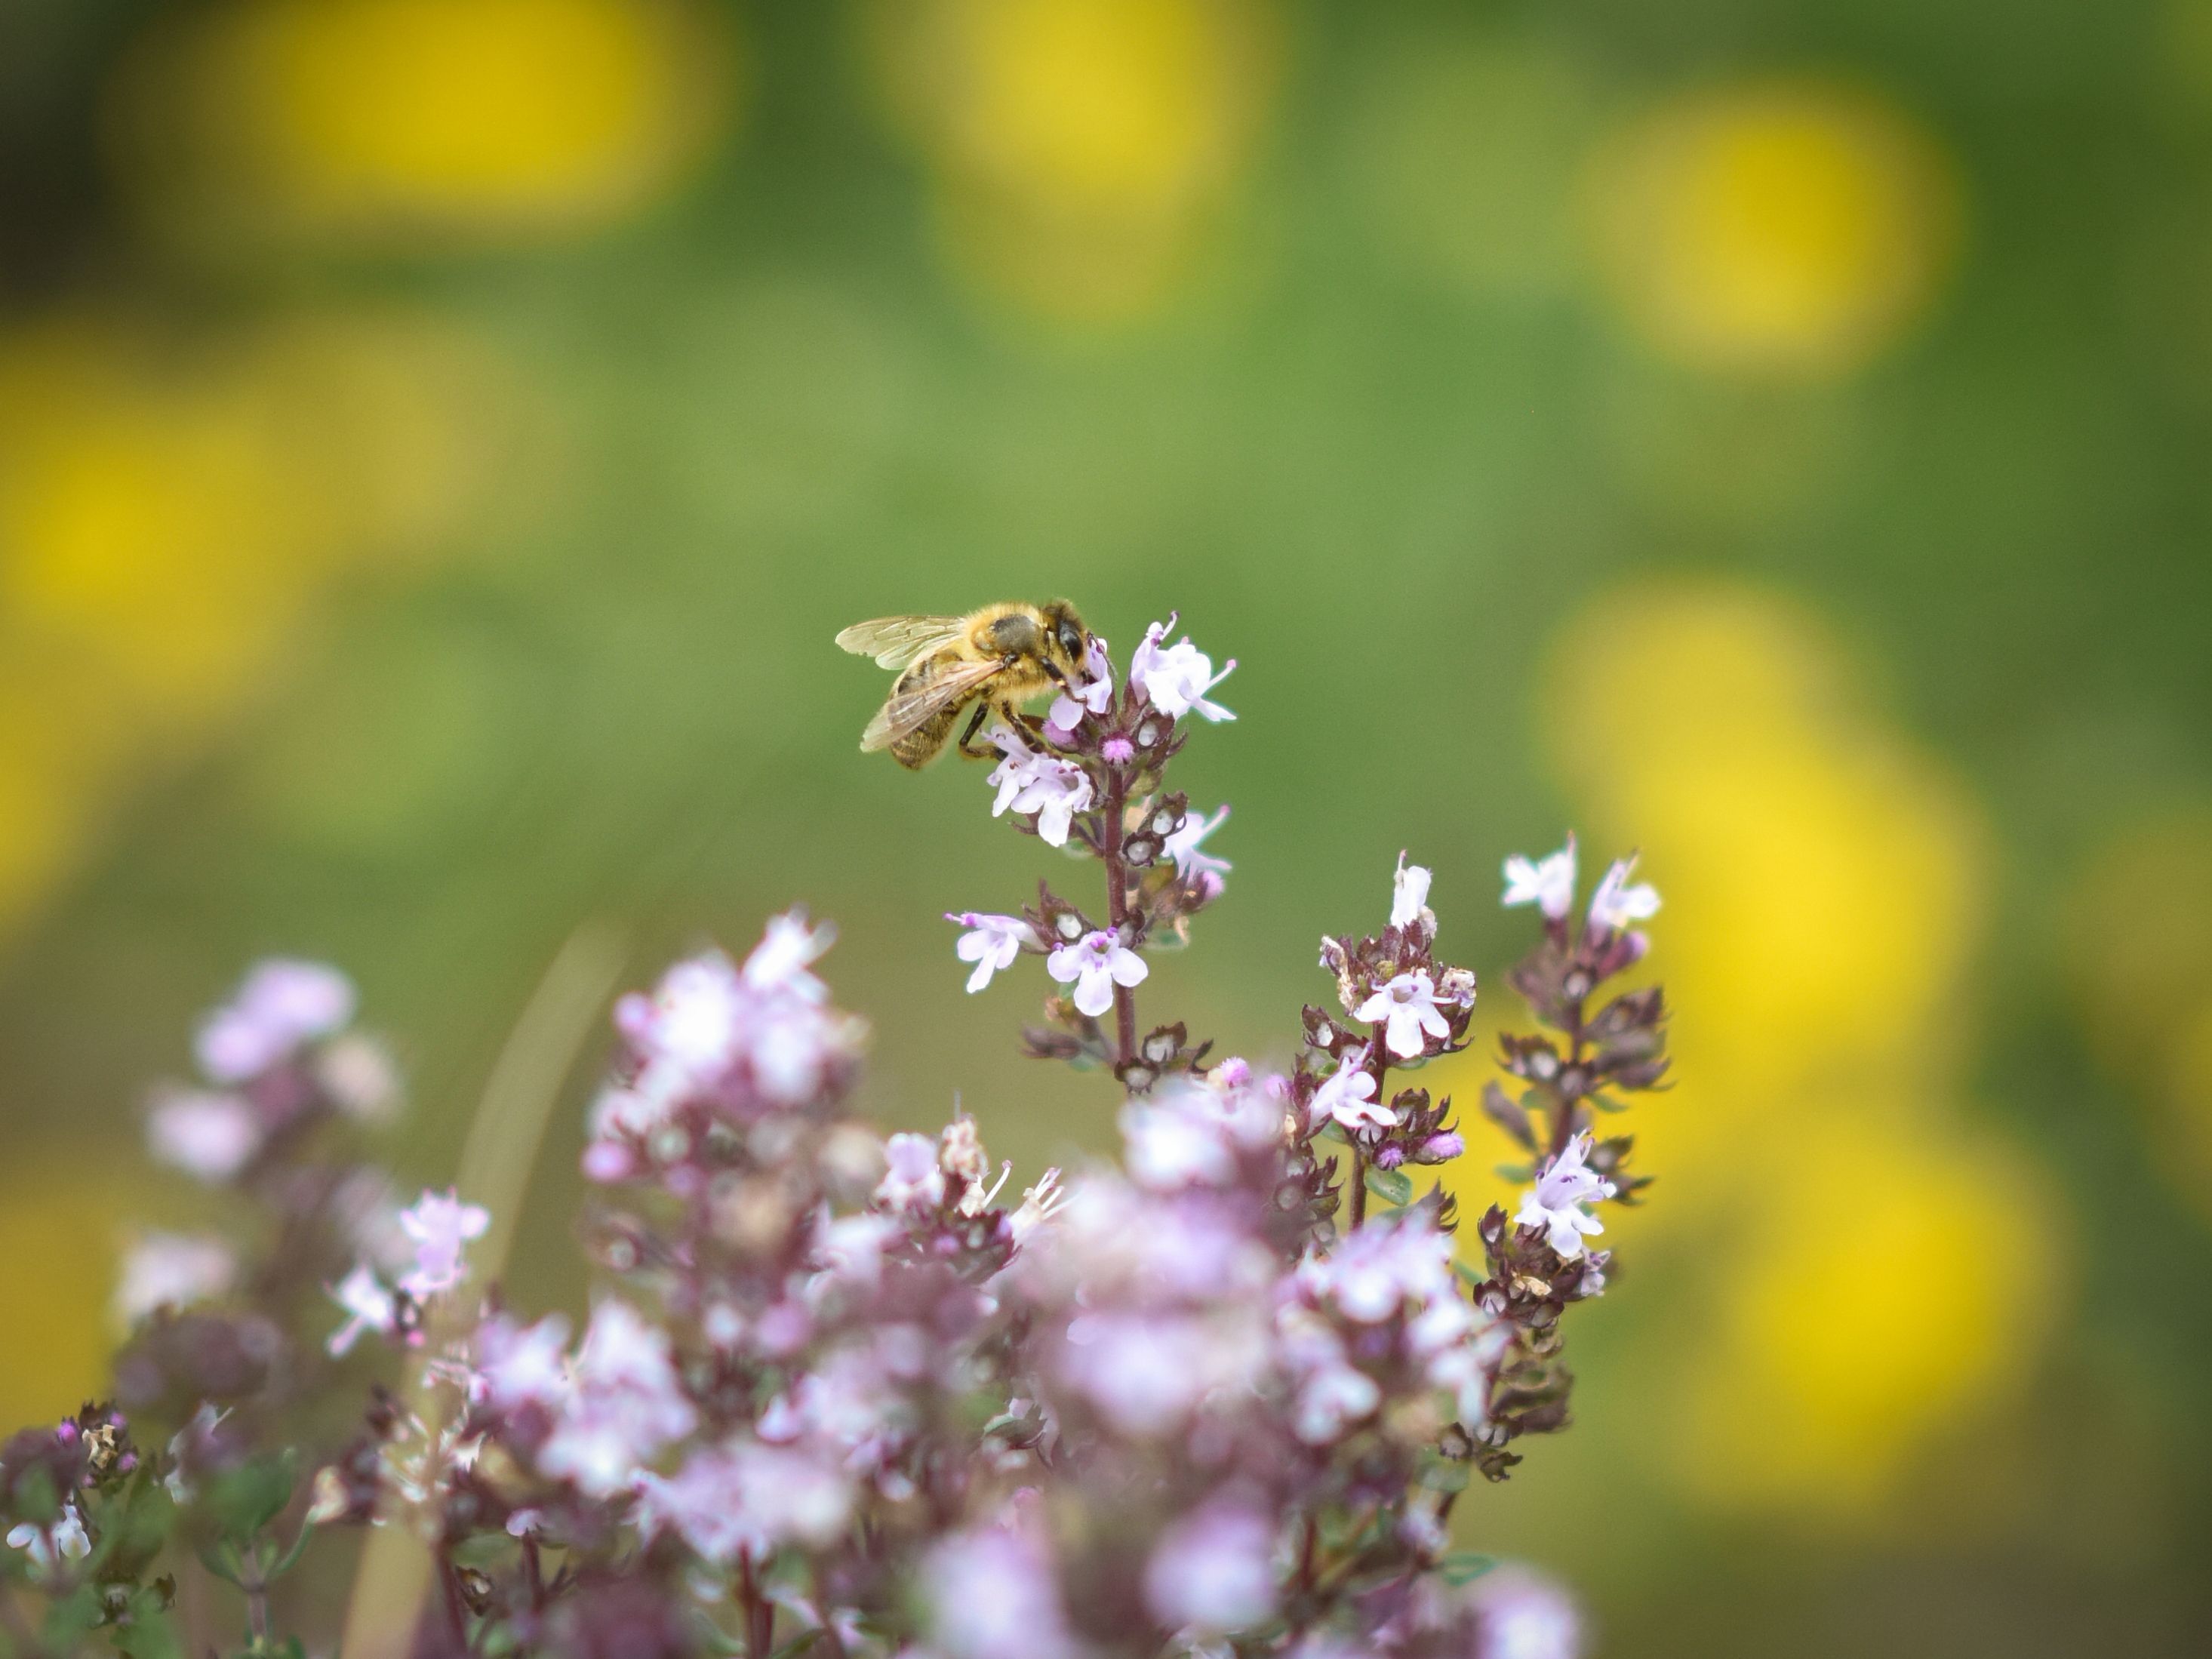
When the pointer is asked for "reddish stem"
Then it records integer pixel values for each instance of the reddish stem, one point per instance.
(1117, 910)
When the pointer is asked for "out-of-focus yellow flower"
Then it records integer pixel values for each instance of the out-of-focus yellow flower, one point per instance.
(1079, 146)
(1791, 227)
(1819, 880)
(1467, 143)
(375, 120)
(150, 525)
(2139, 938)
(1821, 874)
(1898, 1282)
(167, 511)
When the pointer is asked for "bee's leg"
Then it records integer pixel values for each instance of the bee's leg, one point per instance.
(983, 711)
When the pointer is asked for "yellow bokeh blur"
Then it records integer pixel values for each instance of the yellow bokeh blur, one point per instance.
(1785, 227)
(1079, 147)
(1880, 1265)
(369, 121)
(1896, 1286)
(168, 516)
(59, 1226)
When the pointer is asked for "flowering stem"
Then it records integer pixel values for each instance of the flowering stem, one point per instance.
(456, 1615)
(1117, 909)
(760, 1611)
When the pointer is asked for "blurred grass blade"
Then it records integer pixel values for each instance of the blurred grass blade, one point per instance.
(497, 1161)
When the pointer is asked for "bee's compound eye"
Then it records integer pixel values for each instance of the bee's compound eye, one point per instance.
(1071, 639)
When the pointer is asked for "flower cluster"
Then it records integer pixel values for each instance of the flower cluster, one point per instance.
(1089, 774)
(844, 1391)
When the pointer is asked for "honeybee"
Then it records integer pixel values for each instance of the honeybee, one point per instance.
(995, 658)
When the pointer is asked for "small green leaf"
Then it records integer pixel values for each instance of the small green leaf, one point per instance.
(1391, 1186)
(1465, 1566)
(248, 1498)
(1443, 1476)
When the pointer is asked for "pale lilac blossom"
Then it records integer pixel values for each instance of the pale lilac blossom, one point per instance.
(1616, 904)
(912, 1181)
(368, 1307)
(1214, 1571)
(519, 1364)
(779, 963)
(1090, 693)
(1166, 1145)
(1555, 1202)
(282, 1005)
(743, 1500)
(992, 943)
(172, 1270)
(1095, 964)
(1027, 781)
(1347, 1095)
(1176, 680)
(626, 1406)
(1406, 1006)
(209, 1136)
(1184, 845)
(66, 1539)
(1409, 897)
(442, 1226)
(994, 1594)
(1520, 1616)
(1548, 884)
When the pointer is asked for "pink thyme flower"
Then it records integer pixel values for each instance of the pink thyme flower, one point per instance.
(1409, 897)
(627, 1405)
(281, 1005)
(1347, 1094)
(64, 1539)
(912, 1181)
(1616, 904)
(440, 1225)
(1183, 846)
(1176, 681)
(1407, 1007)
(1555, 1202)
(368, 1307)
(687, 1027)
(778, 964)
(743, 1500)
(1214, 1569)
(1548, 884)
(994, 1594)
(171, 1270)
(1095, 964)
(992, 943)
(210, 1136)
(1520, 1616)
(1167, 1146)
(1027, 781)
(519, 1365)
(1091, 692)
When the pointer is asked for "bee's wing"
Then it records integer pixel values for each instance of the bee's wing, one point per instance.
(908, 709)
(895, 642)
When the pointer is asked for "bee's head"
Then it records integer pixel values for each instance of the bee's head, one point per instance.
(1066, 641)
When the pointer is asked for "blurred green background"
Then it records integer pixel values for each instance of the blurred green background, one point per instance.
(438, 439)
